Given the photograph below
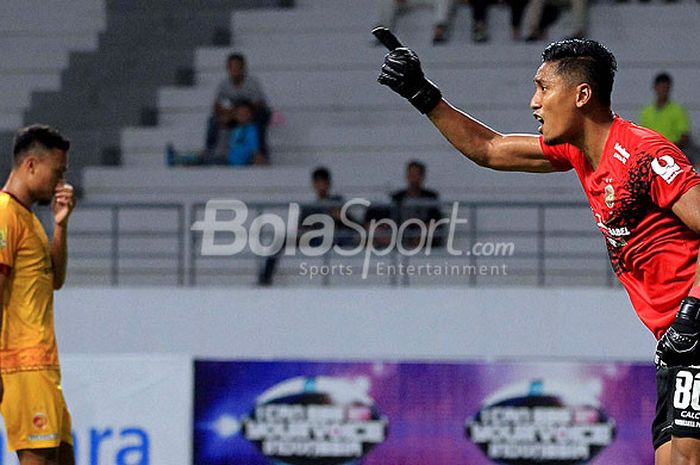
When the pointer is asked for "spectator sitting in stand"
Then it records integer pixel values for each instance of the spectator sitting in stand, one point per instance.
(234, 88)
(666, 116)
(416, 194)
(391, 9)
(325, 203)
(543, 13)
(480, 27)
(242, 146)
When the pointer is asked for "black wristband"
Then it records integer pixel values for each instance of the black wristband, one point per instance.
(427, 97)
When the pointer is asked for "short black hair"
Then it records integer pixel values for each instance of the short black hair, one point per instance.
(236, 57)
(416, 164)
(663, 77)
(321, 174)
(37, 135)
(586, 59)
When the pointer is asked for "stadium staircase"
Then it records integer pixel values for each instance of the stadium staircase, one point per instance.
(36, 39)
(108, 81)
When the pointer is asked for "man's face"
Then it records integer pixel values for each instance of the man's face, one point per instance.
(414, 177)
(662, 90)
(244, 114)
(235, 69)
(48, 168)
(321, 187)
(554, 105)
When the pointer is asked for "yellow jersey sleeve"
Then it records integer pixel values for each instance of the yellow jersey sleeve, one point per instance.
(9, 233)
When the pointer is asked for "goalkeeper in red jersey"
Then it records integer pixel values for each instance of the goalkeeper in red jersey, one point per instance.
(644, 194)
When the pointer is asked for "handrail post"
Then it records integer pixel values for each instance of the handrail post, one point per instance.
(193, 248)
(181, 245)
(541, 272)
(473, 232)
(114, 275)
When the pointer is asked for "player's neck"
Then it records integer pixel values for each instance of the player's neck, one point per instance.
(18, 189)
(594, 136)
(661, 102)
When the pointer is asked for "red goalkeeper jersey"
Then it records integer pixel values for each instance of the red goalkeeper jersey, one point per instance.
(639, 178)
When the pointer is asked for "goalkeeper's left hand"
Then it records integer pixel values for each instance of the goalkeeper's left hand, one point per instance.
(679, 345)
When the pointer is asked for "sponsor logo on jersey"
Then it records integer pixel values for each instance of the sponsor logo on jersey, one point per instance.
(609, 195)
(3, 238)
(621, 153)
(619, 231)
(40, 421)
(666, 167)
(42, 437)
(615, 236)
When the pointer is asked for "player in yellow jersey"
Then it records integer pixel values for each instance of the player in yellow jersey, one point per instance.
(36, 417)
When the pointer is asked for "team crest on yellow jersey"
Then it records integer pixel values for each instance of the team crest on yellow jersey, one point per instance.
(3, 238)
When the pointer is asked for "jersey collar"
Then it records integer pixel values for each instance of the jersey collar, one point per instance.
(14, 197)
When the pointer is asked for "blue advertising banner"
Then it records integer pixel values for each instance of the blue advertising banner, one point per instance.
(386, 413)
(125, 409)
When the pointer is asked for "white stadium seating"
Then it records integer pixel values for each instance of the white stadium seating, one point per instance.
(318, 64)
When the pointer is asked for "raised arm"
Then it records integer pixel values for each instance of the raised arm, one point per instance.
(62, 207)
(486, 147)
(402, 73)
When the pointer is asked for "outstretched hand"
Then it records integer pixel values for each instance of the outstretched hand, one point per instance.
(402, 73)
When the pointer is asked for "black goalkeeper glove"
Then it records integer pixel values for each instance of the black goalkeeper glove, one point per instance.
(680, 344)
(403, 74)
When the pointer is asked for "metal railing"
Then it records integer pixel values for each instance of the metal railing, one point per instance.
(105, 247)
(154, 244)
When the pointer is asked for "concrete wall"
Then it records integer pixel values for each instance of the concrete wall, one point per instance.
(406, 324)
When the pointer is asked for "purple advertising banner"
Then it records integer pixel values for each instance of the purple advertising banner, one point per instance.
(388, 413)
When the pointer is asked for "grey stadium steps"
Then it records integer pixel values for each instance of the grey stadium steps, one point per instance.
(140, 50)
